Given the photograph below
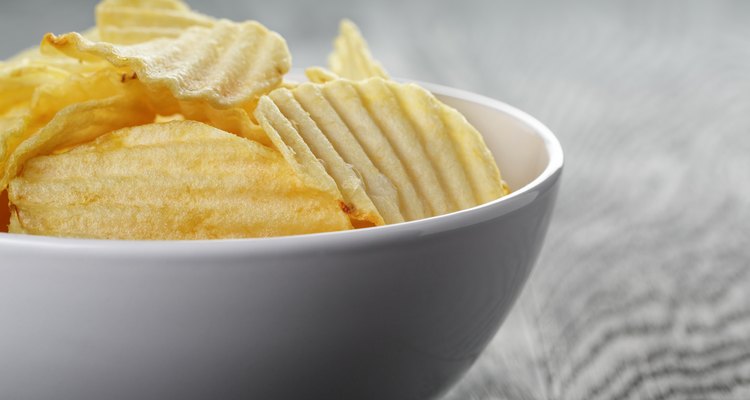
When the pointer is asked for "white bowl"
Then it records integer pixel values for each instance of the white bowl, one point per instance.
(394, 312)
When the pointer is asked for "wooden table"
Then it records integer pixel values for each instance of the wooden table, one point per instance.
(642, 289)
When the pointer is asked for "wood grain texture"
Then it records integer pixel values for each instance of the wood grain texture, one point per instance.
(642, 289)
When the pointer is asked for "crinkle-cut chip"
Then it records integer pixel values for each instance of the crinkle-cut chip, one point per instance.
(233, 120)
(178, 180)
(351, 58)
(345, 100)
(424, 113)
(228, 65)
(381, 101)
(25, 73)
(33, 54)
(48, 100)
(466, 147)
(320, 75)
(295, 151)
(79, 123)
(137, 21)
(18, 84)
(307, 133)
(434, 158)
(315, 115)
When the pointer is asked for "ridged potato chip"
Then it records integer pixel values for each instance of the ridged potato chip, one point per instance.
(307, 138)
(137, 21)
(227, 65)
(48, 100)
(233, 120)
(351, 57)
(397, 135)
(79, 123)
(178, 180)
(21, 76)
(319, 75)
(300, 157)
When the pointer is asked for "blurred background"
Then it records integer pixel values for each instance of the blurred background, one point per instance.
(642, 288)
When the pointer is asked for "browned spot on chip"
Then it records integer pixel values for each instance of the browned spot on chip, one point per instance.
(4, 211)
(55, 40)
(345, 208)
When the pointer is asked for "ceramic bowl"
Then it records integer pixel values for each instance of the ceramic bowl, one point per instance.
(394, 312)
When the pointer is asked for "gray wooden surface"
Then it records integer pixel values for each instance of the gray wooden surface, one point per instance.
(642, 289)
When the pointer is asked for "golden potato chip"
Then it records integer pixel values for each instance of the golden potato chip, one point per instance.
(471, 153)
(425, 114)
(311, 102)
(351, 58)
(48, 100)
(33, 54)
(24, 74)
(79, 123)
(307, 134)
(18, 84)
(202, 64)
(137, 21)
(295, 151)
(233, 120)
(380, 100)
(178, 180)
(319, 75)
(436, 161)
(346, 102)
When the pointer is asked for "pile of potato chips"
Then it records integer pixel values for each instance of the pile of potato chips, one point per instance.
(164, 123)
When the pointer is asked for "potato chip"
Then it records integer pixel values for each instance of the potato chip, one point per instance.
(30, 70)
(436, 161)
(137, 21)
(295, 151)
(233, 120)
(179, 180)
(384, 107)
(79, 123)
(320, 75)
(202, 64)
(33, 54)
(18, 84)
(349, 183)
(346, 102)
(379, 188)
(351, 58)
(48, 100)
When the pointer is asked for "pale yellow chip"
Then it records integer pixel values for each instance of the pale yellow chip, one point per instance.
(321, 117)
(137, 21)
(79, 123)
(179, 180)
(17, 84)
(295, 151)
(306, 131)
(394, 136)
(233, 120)
(202, 64)
(320, 75)
(351, 58)
(30, 70)
(48, 100)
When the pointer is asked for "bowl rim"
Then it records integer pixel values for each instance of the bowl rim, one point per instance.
(339, 239)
